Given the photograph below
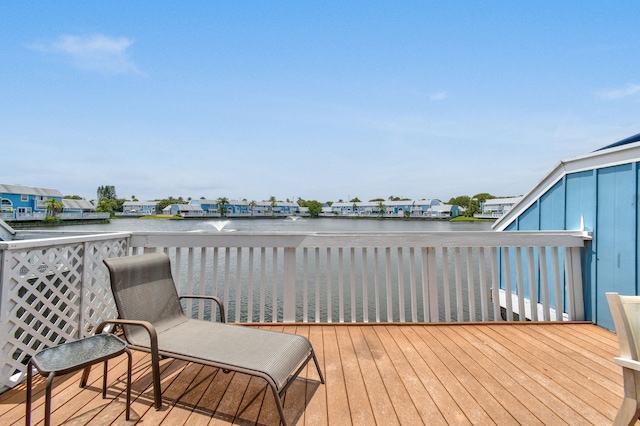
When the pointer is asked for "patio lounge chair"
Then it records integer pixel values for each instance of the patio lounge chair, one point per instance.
(626, 317)
(153, 320)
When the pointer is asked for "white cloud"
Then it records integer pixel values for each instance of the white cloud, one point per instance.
(438, 96)
(629, 90)
(94, 52)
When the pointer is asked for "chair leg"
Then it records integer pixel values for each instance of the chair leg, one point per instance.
(629, 411)
(104, 379)
(85, 376)
(47, 399)
(315, 360)
(27, 418)
(129, 368)
(276, 396)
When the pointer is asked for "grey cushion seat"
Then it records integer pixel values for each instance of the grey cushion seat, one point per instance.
(273, 353)
(151, 314)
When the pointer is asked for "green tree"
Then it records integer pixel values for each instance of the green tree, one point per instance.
(53, 207)
(474, 207)
(315, 208)
(252, 205)
(462, 201)
(108, 192)
(73, 197)
(272, 202)
(107, 205)
(223, 202)
(381, 208)
(355, 200)
(484, 196)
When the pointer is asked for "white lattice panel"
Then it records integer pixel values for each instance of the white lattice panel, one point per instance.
(51, 294)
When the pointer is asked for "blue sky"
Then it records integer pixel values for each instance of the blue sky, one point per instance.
(319, 100)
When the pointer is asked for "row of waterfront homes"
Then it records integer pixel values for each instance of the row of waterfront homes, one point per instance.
(26, 203)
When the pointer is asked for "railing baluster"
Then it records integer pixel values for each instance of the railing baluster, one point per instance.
(317, 301)
(289, 285)
(329, 310)
(446, 286)
(459, 300)
(520, 284)
(401, 301)
(495, 284)
(387, 253)
(201, 290)
(340, 286)
(557, 283)
(250, 286)
(376, 281)
(263, 281)
(484, 288)
(189, 285)
(544, 284)
(471, 285)
(352, 268)
(238, 283)
(274, 285)
(305, 286)
(506, 264)
(412, 280)
(214, 284)
(533, 284)
(365, 287)
(227, 266)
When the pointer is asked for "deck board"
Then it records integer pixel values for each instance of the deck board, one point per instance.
(376, 374)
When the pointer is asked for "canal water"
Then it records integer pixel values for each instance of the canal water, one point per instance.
(283, 225)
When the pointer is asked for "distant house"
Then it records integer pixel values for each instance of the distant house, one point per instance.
(26, 202)
(141, 208)
(402, 208)
(444, 211)
(186, 210)
(497, 207)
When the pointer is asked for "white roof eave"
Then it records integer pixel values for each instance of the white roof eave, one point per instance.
(616, 156)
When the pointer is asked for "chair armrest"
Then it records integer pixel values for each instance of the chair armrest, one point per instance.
(155, 357)
(214, 298)
(627, 363)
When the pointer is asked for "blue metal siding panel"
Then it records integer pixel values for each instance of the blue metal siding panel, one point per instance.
(615, 236)
(552, 207)
(581, 200)
(581, 209)
(530, 219)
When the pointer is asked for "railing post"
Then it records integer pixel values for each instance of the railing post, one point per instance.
(289, 303)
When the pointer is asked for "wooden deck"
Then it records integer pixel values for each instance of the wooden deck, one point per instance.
(375, 374)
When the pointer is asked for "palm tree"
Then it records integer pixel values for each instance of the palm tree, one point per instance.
(53, 207)
(252, 205)
(381, 209)
(272, 201)
(223, 202)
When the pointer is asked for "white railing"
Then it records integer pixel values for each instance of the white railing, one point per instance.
(57, 289)
(53, 290)
(379, 277)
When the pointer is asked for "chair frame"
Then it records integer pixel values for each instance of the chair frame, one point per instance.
(157, 352)
(629, 411)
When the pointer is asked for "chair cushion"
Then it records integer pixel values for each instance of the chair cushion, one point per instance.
(276, 354)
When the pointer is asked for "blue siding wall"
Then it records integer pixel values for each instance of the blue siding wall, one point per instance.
(605, 201)
(615, 236)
